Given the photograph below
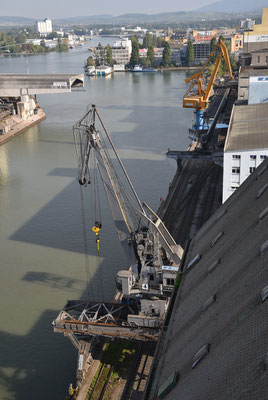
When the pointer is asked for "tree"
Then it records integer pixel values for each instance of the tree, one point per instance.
(52, 35)
(109, 55)
(150, 56)
(166, 55)
(189, 53)
(159, 42)
(90, 61)
(100, 55)
(212, 45)
(134, 59)
(223, 69)
(147, 41)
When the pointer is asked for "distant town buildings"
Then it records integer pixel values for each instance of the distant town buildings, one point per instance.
(204, 36)
(158, 54)
(201, 52)
(121, 52)
(236, 42)
(177, 40)
(247, 23)
(257, 38)
(137, 30)
(44, 27)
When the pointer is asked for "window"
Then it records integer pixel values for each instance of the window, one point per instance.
(216, 238)
(199, 355)
(208, 303)
(264, 294)
(236, 156)
(170, 282)
(251, 169)
(264, 248)
(263, 157)
(213, 265)
(262, 190)
(259, 59)
(194, 261)
(252, 157)
(233, 187)
(263, 214)
(266, 58)
(236, 170)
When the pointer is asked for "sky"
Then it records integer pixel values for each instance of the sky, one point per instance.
(71, 8)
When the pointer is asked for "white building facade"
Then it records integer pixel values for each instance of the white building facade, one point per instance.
(121, 51)
(246, 145)
(44, 28)
(238, 165)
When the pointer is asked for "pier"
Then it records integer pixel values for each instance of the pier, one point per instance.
(19, 109)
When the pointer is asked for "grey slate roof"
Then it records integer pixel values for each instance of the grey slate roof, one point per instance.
(248, 129)
(219, 305)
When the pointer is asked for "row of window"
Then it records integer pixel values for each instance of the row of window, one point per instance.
(259, 59)
(252, 157)
(236, 170)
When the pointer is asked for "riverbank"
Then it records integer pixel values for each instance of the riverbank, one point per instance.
(180, 68)
(19, 125)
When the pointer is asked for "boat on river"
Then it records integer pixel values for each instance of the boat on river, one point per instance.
(90, 70)
(138, 68)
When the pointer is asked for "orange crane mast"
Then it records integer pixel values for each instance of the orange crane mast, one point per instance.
(199, 98)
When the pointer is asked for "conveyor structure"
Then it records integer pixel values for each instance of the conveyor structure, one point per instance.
(84, 318)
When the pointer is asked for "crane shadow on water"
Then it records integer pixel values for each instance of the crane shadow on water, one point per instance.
(41, 364)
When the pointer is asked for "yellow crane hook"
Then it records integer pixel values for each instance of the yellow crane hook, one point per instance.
(96, 228)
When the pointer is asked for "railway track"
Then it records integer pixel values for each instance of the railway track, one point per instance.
(135, 385)
(101, 383)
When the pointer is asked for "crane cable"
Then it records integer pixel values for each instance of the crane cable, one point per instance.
(96, 204)
(96, 214)
(84, 230)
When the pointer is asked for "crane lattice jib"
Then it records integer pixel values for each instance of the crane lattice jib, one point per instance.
(198, 98)
(88, 137)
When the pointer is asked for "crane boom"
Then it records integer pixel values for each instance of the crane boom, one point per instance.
(199, 98)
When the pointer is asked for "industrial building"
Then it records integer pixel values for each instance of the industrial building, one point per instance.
(204, 36)
(246, 145)
(214, 344)
(252, 85)
(201, 52)
(121, 51)
(44, 27)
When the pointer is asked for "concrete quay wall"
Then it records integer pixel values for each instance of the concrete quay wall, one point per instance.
(19, 125)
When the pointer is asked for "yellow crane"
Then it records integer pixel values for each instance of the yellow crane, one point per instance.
(197, 95)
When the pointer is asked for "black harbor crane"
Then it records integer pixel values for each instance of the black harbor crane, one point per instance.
(145, 286)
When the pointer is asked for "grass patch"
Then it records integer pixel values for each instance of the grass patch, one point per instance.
(178, 281)
(100, 384)
(119, 355)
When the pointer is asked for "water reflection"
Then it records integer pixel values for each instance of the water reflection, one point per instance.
(4, 165)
